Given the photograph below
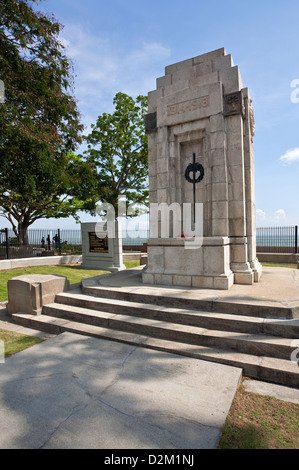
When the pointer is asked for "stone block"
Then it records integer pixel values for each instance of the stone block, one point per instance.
(220, 209)
(147, 278)
(153, 183)
(218, 174)
(236, 191)
(152, 168)
(162, 165)
(246, 278)
(209, 56)
(179, 66)
(173, 259)
(215, 260)
(237, 227)
(163, 279)
(216, 123)
(203, 68)
(155, 259)
(218, 157)
(202, 282)
(217, 139)
(239, 253)
(224, 282)
(219, 192)
(231, 79)
(220, 227)
(163, 82)
(163, 180)
(162, 196)
(153, 98)
(184, 281)
(237, 209)
(29, 293)
(225, 62)
(204, 79)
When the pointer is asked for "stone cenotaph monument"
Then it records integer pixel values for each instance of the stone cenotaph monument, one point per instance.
(200, 127)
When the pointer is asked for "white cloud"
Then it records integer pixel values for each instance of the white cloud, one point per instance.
(281, 214)
(261, 214)
(102, 69)
(279, 217)
(290, 156)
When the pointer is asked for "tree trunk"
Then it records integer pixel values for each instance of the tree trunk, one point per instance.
(23, 238)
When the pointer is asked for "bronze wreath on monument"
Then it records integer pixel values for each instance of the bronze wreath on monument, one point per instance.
(194, 168)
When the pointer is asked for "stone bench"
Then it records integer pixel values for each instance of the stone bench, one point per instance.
(29, 293)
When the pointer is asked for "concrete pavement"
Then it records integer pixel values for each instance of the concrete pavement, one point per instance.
(73, 392)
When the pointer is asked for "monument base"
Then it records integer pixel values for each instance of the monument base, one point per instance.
(173, 262)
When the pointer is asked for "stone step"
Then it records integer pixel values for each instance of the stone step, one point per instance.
(168, 299)
(248, 343)
(211, 320)
(264, 368)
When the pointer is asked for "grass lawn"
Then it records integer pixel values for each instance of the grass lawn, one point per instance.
(260, 422)
(277, 265)
(16, 342)
(73, 272)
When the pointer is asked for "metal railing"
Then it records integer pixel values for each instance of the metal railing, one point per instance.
(45, 242)
(38, 242)
(277, 239)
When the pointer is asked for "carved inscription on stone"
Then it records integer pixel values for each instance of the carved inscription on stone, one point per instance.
(186, 106)
(233, 104)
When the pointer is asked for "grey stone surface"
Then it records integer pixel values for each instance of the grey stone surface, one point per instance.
(30, 292)
(77, 392)
(273, 390)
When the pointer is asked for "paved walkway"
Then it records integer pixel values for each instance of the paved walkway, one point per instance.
(74, 392)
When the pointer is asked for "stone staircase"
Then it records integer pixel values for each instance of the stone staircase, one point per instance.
(254, 338)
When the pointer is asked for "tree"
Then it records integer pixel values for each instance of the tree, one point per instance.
(45, 190)
(39, 120)
(117, 149)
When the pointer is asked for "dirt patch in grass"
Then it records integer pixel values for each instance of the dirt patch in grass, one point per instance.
(260, 422)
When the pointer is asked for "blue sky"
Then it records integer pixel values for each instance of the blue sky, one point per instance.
(124, 45)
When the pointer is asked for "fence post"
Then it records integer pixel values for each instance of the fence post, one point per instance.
(7, 244)
(296, 239)
(59, 242)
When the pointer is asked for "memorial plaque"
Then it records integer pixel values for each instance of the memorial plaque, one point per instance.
(98, 245)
